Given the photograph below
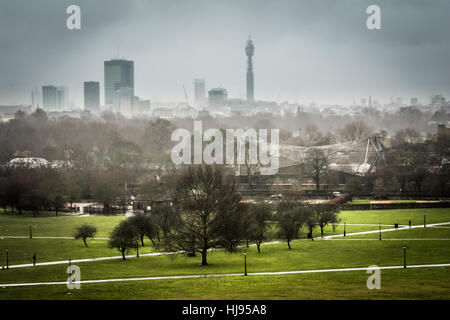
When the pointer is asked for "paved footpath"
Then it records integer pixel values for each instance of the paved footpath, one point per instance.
(51, 263)
(220, 275)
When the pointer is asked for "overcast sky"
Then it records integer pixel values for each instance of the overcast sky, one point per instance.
(305, 51)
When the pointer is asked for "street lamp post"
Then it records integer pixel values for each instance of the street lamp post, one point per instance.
(7, 259)
(404, 256)
(245, 263)
(380, 229)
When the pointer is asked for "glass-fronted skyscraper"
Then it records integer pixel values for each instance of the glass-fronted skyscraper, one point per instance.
(200, 98)
(54, 98)
(92, 96)
(119, 75)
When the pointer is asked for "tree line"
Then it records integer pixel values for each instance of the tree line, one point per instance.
(206, 212)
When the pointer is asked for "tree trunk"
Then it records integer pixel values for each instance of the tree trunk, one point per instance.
(142, 240)
(123, 254)
(204, 263)
(289, 244)
(258, 245)
(247, 243)
(321, 230)
(84, 240)
(317, 183)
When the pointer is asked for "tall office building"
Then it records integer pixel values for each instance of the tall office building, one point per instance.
(438, 101)
(119, 74)
(36, 98)
(123, 100)
(92, 96)
(199, 85)
(249, 50)
(217, 97)
(54, 98)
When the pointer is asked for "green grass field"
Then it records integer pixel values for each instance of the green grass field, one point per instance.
(426, 283)
(364, 201)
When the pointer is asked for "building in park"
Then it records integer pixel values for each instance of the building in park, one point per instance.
(54, 98)
(92, 96)
(119, 76)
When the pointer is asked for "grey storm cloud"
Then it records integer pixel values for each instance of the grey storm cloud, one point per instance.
(304, 50)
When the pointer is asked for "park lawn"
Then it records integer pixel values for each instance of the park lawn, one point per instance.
(426, 283)
(401, 216)
(339, 229)
(22, 250)
(418, 233)
(359, 201)
(305, 255)
(62, 226)
(364, 201)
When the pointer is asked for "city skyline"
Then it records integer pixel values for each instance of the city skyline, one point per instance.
(331, 59)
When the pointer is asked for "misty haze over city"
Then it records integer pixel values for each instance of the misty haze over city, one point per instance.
(224, 150)
(305, 51)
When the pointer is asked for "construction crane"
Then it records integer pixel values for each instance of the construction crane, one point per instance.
(187, 99)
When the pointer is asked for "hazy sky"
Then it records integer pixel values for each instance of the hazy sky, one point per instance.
(305, 51)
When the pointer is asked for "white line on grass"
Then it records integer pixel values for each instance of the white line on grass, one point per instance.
(218, 275)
